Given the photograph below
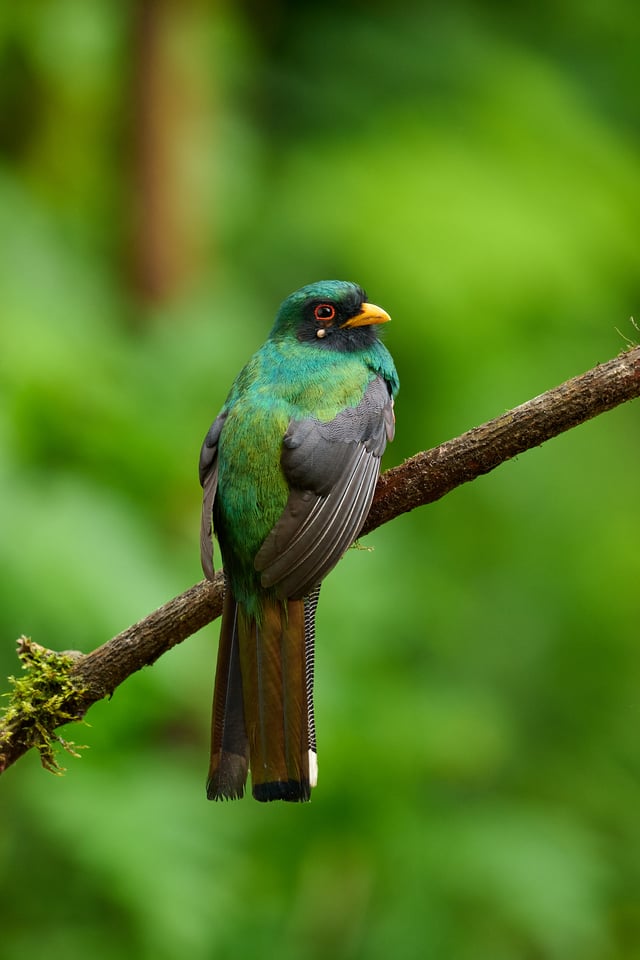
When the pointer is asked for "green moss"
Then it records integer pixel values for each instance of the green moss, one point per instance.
(40, 701)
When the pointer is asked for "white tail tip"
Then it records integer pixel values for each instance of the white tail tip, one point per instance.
(313, 768)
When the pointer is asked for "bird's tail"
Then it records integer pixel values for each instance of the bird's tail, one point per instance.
(263, 702)
(229, 744)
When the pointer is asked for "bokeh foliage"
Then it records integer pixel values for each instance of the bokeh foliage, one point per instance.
(475, 167)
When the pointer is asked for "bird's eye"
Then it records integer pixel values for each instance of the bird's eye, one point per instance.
(324, 312)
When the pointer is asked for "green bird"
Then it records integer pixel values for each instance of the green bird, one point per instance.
(288, 470)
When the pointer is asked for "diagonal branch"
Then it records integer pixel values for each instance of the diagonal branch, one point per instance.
(422, 479)
(428, 476)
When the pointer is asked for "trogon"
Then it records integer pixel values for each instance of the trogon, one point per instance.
(288, 470)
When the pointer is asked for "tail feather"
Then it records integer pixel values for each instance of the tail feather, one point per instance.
(229, 742)
(310, 605)
(275, 693)
(263, 702)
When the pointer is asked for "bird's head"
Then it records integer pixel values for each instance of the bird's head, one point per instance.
(331, 314)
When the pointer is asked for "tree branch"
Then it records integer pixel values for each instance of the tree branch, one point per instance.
(422, 479)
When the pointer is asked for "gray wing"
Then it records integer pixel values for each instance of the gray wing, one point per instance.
(208, 469)
(332, 469)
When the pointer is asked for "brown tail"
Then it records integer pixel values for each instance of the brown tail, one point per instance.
(229, 745)
(263, 702)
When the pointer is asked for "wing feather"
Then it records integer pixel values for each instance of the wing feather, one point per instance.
(208, 470)
(332, 469)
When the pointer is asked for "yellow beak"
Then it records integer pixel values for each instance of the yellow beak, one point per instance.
(369, 314)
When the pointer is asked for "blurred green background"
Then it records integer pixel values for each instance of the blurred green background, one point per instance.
(170, 171)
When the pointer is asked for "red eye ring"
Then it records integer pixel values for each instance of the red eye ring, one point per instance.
(324, 312)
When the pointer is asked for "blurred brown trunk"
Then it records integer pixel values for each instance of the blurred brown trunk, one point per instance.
(166, 239)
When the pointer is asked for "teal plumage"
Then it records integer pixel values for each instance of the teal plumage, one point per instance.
(288, 470)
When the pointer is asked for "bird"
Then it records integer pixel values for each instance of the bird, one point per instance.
(288, 470)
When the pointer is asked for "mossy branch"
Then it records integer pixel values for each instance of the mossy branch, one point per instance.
(59, 688)
(46, 697)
